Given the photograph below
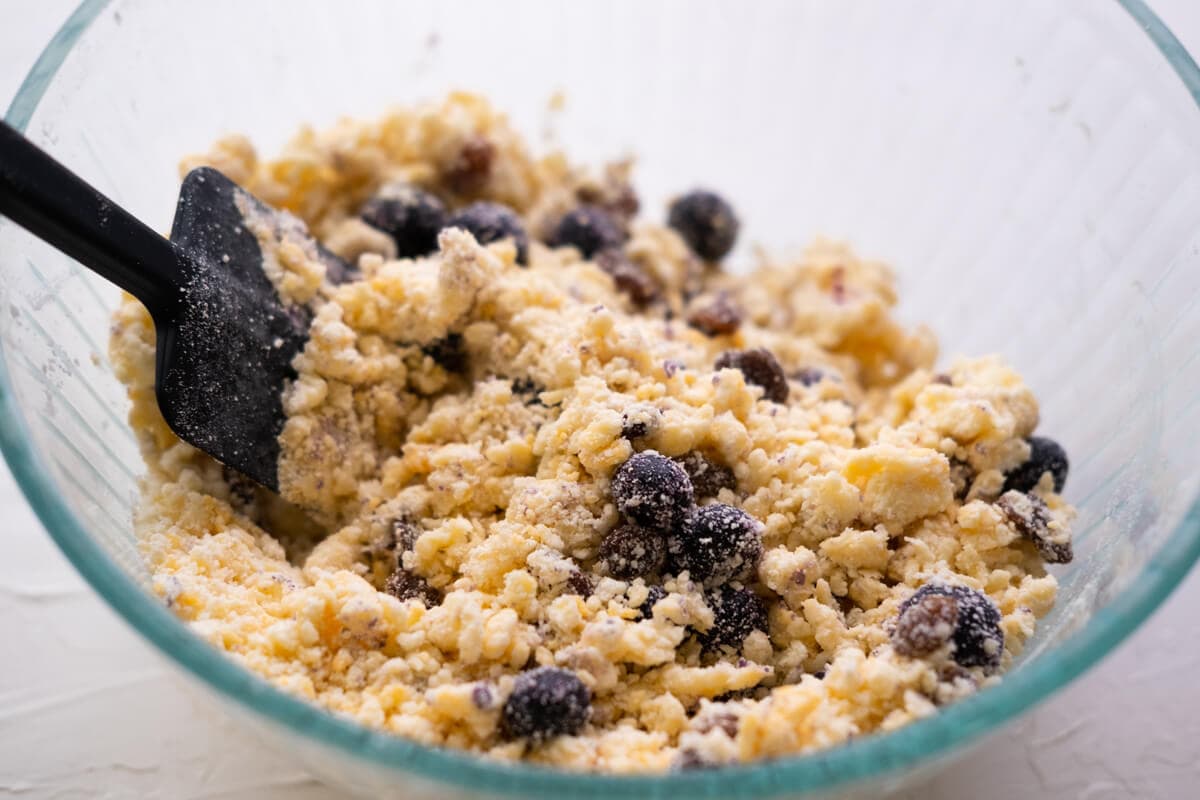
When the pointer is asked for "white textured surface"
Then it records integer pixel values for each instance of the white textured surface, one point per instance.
(88, 710)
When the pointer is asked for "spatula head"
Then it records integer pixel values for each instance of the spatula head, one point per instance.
(225, 351)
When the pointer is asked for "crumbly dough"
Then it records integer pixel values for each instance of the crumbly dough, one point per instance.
(492, 484)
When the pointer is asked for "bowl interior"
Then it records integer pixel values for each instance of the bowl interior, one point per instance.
(1031, 169)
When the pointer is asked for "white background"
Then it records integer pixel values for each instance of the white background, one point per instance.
(88, 710)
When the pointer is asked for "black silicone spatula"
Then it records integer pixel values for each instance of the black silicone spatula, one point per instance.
(225, 339)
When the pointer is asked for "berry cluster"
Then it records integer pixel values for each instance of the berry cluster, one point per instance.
(413, 217)
(938, 613)
(716, 544)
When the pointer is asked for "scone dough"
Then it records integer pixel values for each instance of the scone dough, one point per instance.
(492, 484)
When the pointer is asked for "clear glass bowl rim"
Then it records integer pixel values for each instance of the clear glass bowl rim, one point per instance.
(869, 757)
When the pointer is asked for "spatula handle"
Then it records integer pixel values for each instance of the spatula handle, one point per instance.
(56, 205)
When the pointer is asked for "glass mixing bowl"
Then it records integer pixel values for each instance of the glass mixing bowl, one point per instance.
(1031, 168)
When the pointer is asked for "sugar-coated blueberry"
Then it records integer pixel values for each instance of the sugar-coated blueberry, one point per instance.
(978, 639)
(631, 551)
(716, 544)
(736, 613)
(708, 477)
(544, 703)
(652, 490)
(1029, 515)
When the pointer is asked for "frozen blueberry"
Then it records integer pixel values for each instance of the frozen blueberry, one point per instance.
(759, 367)
(411, 216)
(491, 222)
(717, 544)
(546, 702)
(736, 612)
(708, 477)
(580, 583)
(471, 167)
(925, 625)
(718, 317)
(1045, 455)
(653, 595)
(631, 551)
(1030, 516)
(589, 229)
(404, 585)
(706, 222)
(628, 277)
(448, 353)
(978, 639)
(652, 490)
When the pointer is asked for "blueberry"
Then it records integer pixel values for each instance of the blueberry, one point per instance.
(589, 229)
(1030, 516)
(717, 544)
(978, 639)
(448, 353)
(736, 612)
(653, 595)
(759, 367)
(404, 585)
(546, 702)
(718, 317)
(631, 551)
(925, 625)
(708, 477)
(1045, 455)
(652, 490)
(628, 277)
(706, 222)
(411, 216)
(491, 222)
(580, 583)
